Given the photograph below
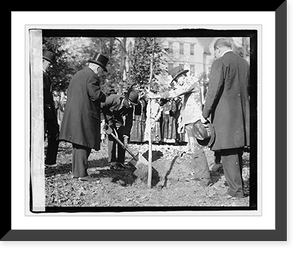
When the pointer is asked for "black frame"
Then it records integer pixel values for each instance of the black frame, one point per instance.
(280, 232)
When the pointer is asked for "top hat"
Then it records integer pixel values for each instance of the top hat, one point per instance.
(49, 56)
(133, 97)
(100, 60)
(176, 72)
(204, 133)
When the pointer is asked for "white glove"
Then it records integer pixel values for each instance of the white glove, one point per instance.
(203, 120)
(126, 138)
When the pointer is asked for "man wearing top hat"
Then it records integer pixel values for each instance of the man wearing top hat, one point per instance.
(118, 115)
(191, 112)
(81, 121)
(50, 118)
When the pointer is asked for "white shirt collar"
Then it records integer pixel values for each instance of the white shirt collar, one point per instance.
(228, 50)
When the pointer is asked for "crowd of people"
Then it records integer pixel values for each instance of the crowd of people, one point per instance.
(220, 120)
(164, 121)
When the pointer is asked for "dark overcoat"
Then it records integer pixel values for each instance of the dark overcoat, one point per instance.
(227, 102)
(49, 108)
(116, 114)
(81, 120)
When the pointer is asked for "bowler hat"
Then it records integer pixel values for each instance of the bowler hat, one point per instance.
(176, 72)
(133, 97)
(204, 133)
(49, 56)
(100, 60)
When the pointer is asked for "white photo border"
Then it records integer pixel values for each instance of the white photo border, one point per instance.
(174, 223)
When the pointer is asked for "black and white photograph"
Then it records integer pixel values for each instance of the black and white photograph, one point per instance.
(148, 126)
(143, 120)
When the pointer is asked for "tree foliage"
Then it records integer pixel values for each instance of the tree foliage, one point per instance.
(139, 73)
(73, 53)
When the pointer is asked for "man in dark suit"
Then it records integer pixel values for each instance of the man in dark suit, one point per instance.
(50, 118)
(118, 114)
(81, 121)
(227, 102)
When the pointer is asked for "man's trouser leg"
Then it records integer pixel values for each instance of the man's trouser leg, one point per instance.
(199, 161)
(217, 167)
(111, 148)
(121, 150)
(53, 133)
(80, 160)
(232, 165)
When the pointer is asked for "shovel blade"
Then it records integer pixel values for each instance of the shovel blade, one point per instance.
(142, 170)
(141, 160)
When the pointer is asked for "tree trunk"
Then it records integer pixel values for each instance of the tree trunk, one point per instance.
(123, 54)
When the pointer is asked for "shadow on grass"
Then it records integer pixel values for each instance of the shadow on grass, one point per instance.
(169, 171)
(67, 167)
(61, 169)
(99, 163)
(123, 177)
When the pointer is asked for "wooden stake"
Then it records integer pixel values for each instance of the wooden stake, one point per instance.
(150, 131)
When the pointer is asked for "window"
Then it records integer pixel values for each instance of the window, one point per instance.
(182, 66)
(170, 45)
(192, 49)
(181, 49)
(170, 67)
(192, 70)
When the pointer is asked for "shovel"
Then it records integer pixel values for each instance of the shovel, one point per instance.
(138, 159)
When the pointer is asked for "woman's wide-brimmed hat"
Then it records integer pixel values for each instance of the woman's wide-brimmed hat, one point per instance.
(100, 60)
(204, 133)
(176, 72)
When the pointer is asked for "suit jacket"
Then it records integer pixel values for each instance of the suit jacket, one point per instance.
(116, 114)
(227, 102)
(81, 120)
(49, 109)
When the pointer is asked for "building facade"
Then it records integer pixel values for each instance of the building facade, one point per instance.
(184, 51)
(195, 54)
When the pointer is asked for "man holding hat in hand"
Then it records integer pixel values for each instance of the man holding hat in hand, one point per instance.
(227, 102)
(81, 122)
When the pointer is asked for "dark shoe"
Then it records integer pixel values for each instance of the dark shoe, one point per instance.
(50, 165)
(125, 166)
(218, 168)
(115, 168)
(87, 179)
(228, 196)
(121, 165)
